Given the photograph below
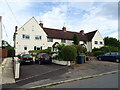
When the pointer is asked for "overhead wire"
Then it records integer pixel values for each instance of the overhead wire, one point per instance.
(12, 12)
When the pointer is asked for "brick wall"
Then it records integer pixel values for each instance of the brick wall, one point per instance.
(3, 53)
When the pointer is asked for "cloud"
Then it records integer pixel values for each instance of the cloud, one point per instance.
(12, 18)
(76, 16)
(54, 18)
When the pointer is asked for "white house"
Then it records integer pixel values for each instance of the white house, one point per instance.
(34, 36)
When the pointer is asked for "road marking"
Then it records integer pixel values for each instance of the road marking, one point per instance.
(40, 74)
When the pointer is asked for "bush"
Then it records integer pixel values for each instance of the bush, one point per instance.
(35, 52)
(80, 49)
(59, 48)
(69, 53)
(98, 53)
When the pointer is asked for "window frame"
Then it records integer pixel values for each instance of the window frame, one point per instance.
(25, 36)
(96, 42)
(50, 39)
(38, 37)
(63, 41)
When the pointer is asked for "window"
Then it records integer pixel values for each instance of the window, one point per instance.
(63, 40)
(37, 48)
(50, 39)
(101, 43)
(37, 37)
(25, 48)
(96, 42)
(25, 36)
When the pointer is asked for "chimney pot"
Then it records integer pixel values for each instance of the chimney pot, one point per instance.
(16, 27)
(41, 24)
(82, 32)
(64, 29)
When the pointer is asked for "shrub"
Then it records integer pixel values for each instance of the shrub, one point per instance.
(35, 52)
(80, 49)
(98, 53)
(59, 48)
(69, 53)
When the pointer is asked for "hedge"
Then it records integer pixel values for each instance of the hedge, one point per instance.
(69, 53)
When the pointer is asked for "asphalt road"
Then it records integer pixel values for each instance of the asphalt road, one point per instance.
(105, 81)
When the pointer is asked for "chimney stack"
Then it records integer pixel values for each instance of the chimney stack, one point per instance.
(82, 32)
(16, 27)
(41, 24)
(64, 29)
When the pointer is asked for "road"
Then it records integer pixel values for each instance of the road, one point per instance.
(105, 81)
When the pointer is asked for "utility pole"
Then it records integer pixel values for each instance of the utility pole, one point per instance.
(0, 39)
(0, 32)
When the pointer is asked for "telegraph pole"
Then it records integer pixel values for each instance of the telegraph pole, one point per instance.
(0, 32)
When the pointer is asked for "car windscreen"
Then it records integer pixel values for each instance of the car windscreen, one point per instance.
(45, 56)
(26, 56)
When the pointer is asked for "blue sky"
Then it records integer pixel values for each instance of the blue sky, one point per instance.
(76, 16)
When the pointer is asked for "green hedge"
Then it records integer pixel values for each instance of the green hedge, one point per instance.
(69, 53)
(105, 49)
(98, 53)
(35, 52)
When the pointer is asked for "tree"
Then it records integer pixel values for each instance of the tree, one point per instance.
(110, 41)
(6, 45)
(75, 39)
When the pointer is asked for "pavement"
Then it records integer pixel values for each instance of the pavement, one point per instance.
(92, 68)
(6, 71)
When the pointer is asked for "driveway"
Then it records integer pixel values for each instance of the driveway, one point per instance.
(36, 72)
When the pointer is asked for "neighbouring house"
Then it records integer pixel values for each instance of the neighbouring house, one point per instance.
(34, 36)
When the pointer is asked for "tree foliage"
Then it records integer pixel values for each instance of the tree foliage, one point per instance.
(75, 39)
(110, 41)
(59, 47)
(69, 53)
(6, 45)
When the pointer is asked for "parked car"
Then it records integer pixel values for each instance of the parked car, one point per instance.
(25, 58)
(43, 58)
(111, 56)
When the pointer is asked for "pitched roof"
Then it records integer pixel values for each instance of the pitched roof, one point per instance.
(68, 35)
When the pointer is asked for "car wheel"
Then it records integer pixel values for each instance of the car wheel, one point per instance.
(39, 62)
(117, 60)
(99, 59)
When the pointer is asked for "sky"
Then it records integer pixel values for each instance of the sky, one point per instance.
(75, 15)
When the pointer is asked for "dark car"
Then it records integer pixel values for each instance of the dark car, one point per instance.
(25, 58)
(111, 56)
(43, 58)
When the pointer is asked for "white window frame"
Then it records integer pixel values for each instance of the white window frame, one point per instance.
(38, 37)
(50, 39)
(25, 36)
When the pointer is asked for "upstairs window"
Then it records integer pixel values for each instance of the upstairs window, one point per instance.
(63, 41)
(96, 42)
(37, 37)
(50, 39)
(101, 42)
(24, 36)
